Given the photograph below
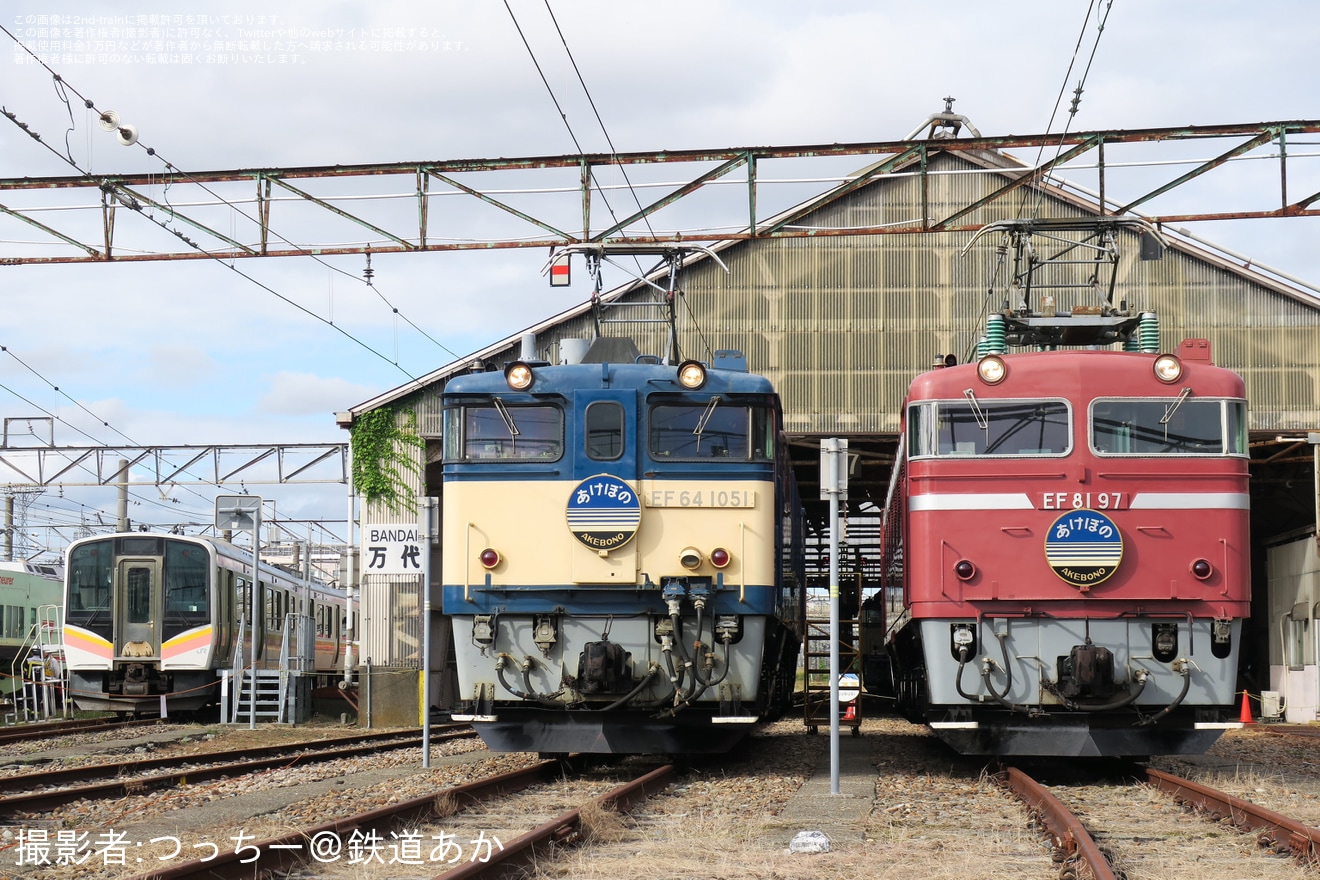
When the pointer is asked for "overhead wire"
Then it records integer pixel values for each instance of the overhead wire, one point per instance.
(1036, 194)
(598, 186)
(62, 87)
(58, 418)
(1077, 91)
(622, 170)
(172, 169)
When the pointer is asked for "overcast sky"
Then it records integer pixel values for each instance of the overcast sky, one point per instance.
(192, 352)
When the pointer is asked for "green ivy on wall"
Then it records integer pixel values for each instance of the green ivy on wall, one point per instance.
(382, 441)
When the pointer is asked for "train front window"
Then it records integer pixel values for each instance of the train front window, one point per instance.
(1169, 426)
(604, 434)
(137, 595)
(187, 586)
(979, 427)
(713, 428)
(87, 580)
(495, 431)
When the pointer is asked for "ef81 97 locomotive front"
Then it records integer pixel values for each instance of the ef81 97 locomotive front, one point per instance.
(620, 563)
(1069, 529)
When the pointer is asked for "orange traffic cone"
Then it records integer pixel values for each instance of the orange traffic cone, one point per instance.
(1245, 715)
(850, 714)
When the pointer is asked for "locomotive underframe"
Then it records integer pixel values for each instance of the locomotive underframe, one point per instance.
(522, 692)
(1131, 702)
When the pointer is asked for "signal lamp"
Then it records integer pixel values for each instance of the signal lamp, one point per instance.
(991, 369)
(964, 569)
(489, 558)
(691, 375)
(519, 376)
(1202, 569)
(690, 558)
(1168, 368)
(719, 557)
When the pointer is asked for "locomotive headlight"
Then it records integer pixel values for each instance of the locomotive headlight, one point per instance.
(519, 376)
(1168, 368)
(690, 558)
(1202, 569)
(719, 557)
(991, 369)
(489, 558)
(691, 374)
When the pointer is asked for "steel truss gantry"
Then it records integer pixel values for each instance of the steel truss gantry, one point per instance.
(411, 207)
(204, 465)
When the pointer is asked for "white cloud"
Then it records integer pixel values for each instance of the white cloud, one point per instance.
(298, 394)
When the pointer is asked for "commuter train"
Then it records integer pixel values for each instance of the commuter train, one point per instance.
(1069, 532)
(151, 620)
(622, 561)
(30, 596)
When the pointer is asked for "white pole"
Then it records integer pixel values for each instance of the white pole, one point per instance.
(350, 576)
(832, 486)
(425, 509)
(256, 599)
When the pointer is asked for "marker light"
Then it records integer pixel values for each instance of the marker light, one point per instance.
(1168, 368)
(991, 369)
(489, 558)
(964, 570)
(719, 557)
(691, 374)
(1202, 569)
(519, 376)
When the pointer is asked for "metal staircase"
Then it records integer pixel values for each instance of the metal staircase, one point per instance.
(38, 672)
(281, 695)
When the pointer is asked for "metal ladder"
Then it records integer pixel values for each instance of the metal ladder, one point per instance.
(281, 694)
(39, 674)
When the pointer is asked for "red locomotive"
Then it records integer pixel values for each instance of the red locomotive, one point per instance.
(1069, 532)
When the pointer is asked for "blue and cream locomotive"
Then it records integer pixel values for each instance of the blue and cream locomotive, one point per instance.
(621, 560)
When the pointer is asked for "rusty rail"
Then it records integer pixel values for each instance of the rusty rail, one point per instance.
(1274, 828)
(283, 854)
(192, 768)
(1068, 833)
(563, 829)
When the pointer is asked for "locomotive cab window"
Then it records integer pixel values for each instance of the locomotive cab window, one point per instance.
(1169, 426)
(976, 427)
(495, 431)
(712, 429)
(604, 430)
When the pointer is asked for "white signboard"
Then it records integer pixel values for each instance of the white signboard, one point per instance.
(392, 549)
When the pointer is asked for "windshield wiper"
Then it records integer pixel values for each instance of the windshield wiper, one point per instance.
(982, 421)
(505, 416)
(1173, 407)
(705, 416)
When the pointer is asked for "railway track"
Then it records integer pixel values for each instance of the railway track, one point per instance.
(1108, 831)
(27, 793)
(55, 729)
(437, 824)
